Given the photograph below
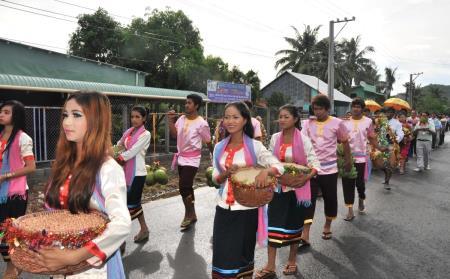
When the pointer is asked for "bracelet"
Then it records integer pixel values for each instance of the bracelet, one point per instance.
(8, 175)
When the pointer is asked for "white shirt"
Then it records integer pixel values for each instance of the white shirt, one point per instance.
(138, 150)
(114, 190)
(313, 161)
(264, 158)
(397, 127)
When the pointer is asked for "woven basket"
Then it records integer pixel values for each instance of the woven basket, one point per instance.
(293, 169)
(244, 189)
(57, 228)
(378, 163)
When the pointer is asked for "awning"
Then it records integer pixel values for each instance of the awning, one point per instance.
(41, 84)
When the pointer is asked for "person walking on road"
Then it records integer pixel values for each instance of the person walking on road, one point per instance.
(135, 142)
(424, 132)
(325, 131)
(235, 225)
(287, 208)
(16, 161)
(361, 131)
(191, 131)
(85, 177)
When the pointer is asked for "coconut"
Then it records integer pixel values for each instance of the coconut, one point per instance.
(150, 178)
(161, 176)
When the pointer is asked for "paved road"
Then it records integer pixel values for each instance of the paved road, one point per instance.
(404, 234)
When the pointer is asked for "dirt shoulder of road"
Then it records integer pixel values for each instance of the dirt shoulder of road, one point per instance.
(150, 193)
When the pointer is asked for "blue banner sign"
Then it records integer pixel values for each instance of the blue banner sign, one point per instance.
(226, 92)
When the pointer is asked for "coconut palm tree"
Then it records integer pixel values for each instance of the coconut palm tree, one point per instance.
(356, 64)
(390, 80)
(300, 58)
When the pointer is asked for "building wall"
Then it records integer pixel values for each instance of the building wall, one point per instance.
(18, 59)
(298, 92)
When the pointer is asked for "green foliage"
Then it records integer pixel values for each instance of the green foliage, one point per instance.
(98, 37)
(278, 99)
(341, 164)
(309, 55)
(390, 79)
(165, 44)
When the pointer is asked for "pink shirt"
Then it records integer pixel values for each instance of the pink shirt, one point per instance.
(190, 136)
(256, 128)
(324, 137)
(359, 132)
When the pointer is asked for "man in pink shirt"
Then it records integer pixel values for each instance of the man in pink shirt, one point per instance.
(191, 131)
(361, 130)
(325, 132)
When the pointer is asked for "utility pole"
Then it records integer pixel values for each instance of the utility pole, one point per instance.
(331, 59)
(411, 87)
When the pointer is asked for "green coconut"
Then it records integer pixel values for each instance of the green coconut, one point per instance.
(150, 178)
(161, 176)
(162, 168)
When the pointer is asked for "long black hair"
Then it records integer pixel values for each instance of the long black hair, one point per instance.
(17, 120)
(292, 110)
(244, 111)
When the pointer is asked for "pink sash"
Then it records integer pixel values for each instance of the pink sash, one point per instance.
(130, 165)
(303, 194)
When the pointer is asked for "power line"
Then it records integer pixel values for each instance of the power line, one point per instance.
(49, 16)
(38, 9)
(90, 9)
(136, 34)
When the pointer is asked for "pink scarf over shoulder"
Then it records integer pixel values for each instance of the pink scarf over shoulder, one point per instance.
(303, 194)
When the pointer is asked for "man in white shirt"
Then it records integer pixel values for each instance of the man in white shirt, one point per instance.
(424, 131)
(395, 125)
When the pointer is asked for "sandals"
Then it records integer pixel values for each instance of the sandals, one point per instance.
(327, 235)
(348, 219)
(141, 237)
(304, 243)
(290, 269)
(187, 223)
(265, 274)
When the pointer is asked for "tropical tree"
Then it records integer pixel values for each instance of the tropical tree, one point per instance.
(390, 80)
(301, 57)
(308, 55)
(98, 37)
(356, 65)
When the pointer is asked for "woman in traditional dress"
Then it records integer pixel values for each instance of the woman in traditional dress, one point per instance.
(135, 142)
(85, 177)
(405, 143)
(235, 225)
(286, 210)
(16, 161)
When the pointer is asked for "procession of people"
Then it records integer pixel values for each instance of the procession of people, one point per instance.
(300, 160)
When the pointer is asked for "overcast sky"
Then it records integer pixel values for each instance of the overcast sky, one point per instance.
(412, 35)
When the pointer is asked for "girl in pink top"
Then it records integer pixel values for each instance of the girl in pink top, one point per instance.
(16, 161)
(325, 132)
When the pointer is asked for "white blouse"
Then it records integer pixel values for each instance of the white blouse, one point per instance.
(114, 191)
(138, 150)
(311, 158)
(264, 158)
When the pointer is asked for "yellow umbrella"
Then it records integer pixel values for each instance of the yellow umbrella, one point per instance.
(372, 105)
(397, 104)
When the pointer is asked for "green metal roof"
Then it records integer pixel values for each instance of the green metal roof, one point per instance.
(369, 88)
(16, 82)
